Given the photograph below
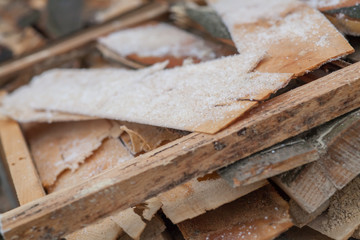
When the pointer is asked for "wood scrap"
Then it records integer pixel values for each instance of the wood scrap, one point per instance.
(273, 161)
(147, 12)
(106, 229)
(296, 37)
(108, 155)
(308, 185)
(300, 217)
(197, 196)
(191, 156)
(343, 216)
(60, 146)
(145, 46)
(23, 172)
(338, 145)
(139, 138)
(139, 94)
(264, 217)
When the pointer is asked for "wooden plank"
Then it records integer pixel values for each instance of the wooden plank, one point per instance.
(197, 196)
(273, 161)
(343, 216)
(338, 144)
(307, 185)
(300, 217)
(264, 217)
(190, 156)
(147, 12)
(23, 172)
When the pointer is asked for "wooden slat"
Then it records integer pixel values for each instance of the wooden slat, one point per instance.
(147, 12)
(23, 172)
(193, 155)
(273, 161)
(260, 215)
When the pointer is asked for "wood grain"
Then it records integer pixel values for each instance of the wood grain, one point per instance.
(190, 156)
(23, 172)
(147, 12)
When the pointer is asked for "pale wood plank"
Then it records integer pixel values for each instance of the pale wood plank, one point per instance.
(260, 215)
(197, 196)
(23, 172)
(194, 155)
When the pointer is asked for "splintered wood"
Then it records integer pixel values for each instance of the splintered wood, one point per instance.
(296, 37)
(203, 97)
(262, 214)
(143, 44)
(60, 146)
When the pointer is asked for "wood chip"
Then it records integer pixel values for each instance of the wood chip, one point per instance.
(260, 215)
(60, 146)
(200, 195)
(204, 97)
(296, 37)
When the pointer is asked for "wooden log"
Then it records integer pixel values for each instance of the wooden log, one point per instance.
(343, 216)
(190, 156)
(23, 172)
(147, 12)
(260, 215)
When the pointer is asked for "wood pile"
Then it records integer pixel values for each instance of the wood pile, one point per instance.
(192, 120)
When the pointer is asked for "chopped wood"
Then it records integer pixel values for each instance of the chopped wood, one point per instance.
(300, 217)
(60, 146)
(308, 185)
(260, 215)
(356, 234)
(296, 37)
(147, 48)
(197, 196)
(163, 98)
(15, 152)
(147, 12)
(338, 144)
(343, 216)
(273, 161)
(191, 156)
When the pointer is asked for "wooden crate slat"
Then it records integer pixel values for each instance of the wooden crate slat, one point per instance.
(23, 172)
(196, 154)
